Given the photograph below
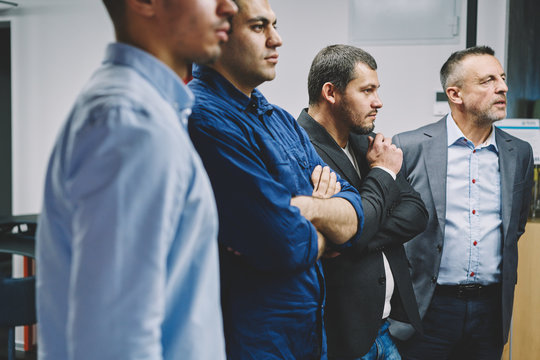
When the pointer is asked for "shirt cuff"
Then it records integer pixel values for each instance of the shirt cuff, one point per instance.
(392, 174)
(356, 202)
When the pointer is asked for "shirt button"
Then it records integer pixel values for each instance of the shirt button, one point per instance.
(474, 212)
(474, 151)
(434, 279)
(439, 247)
(475, 243)
(474, 181)
(472, 274)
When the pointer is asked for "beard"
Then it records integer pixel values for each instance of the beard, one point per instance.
(486, 117)
(359, 124)
(363, 129)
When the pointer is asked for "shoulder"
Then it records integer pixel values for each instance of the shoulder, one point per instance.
(415, 137)
(521, 145)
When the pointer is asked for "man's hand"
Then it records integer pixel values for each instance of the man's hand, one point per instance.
(381, 152)
(325, 184)
(324, 251)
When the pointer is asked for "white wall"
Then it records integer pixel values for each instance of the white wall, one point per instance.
(409, 74)
(56, 44)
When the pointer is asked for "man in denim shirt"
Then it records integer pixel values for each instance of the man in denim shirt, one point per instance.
(279, 205)
(127, 261)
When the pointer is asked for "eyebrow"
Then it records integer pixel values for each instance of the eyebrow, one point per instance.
(262, 19)
(481, 78)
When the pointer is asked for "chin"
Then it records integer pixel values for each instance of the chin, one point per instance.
(208, 56)
(362, 130)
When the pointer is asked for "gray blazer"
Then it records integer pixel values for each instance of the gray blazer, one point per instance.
(424, 165)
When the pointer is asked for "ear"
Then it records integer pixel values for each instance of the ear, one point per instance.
(328, 92)
(454, 95)
(145, 8)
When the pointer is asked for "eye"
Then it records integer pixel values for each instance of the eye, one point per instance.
(257, 27)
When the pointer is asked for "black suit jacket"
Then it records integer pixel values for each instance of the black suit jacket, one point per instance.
(355, 280)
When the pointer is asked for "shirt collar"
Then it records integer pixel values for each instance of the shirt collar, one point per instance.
(455, 135)
(166, 81)
(256, 104)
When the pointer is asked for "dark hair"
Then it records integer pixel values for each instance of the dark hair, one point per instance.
(449, 74)
(335, 64)
(116, 10)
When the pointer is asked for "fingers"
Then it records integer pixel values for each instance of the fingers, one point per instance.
(331, 189)
(325, 183)
(384, 153)
(328, 254)
(231, 250)
(316, 176)
(338, 188)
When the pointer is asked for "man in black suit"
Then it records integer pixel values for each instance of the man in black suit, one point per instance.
(370, 282)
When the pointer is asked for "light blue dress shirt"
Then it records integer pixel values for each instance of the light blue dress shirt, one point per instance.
(127, 261)
(472, 251)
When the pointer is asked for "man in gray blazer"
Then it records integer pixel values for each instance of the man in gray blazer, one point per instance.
(476, 183)
(370, 282)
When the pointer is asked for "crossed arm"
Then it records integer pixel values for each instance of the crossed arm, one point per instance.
(334, 218)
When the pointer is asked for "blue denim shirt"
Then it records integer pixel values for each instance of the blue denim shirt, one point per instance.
(127, 254)
(257, 158)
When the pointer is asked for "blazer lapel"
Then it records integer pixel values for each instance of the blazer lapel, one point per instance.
(334, 154)
(507, 168)
(435, 150)
(359, 145)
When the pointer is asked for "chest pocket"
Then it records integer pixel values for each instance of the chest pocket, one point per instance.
(288, 166)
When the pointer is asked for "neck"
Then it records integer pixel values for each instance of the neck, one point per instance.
(328, 120)
(473, 128)
(153, 47)
(241, 86)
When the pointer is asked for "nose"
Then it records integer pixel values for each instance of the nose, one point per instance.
(274, 40)
(502, 87)
(226, 8)
(377, 103)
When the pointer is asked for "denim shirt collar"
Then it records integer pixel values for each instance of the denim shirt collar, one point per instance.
(256, 104)
(166, 81)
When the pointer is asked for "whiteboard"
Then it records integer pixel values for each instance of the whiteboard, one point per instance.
(394, 22)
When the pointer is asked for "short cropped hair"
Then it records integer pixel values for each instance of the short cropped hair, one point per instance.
(335, 64)
(116, 10)
(450, 75)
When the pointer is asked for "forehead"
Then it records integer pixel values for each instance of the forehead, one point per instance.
(364, 75)
(251, 9)
(478, 66)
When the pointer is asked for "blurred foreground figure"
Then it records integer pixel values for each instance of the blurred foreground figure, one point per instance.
(127, 260)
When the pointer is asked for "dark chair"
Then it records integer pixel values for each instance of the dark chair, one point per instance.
(17, 296)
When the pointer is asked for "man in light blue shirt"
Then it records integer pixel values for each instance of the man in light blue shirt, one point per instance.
(127, 260)
(476, 181)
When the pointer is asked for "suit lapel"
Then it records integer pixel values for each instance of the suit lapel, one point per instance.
(359, 146)
(507, 168)
(335, 156)
(435, 150)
